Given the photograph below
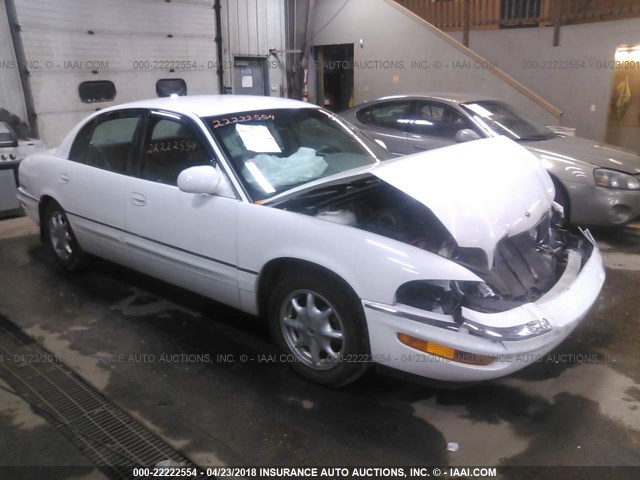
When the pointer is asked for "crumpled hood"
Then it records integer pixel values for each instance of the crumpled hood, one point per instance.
(584, 150)
(481, 191)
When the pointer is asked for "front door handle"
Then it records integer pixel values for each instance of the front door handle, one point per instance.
(63, 178)
(138, 199)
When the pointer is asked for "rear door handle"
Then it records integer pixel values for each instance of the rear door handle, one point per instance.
(138, 199)
(63, 178)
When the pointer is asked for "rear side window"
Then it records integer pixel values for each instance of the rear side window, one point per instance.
(438, 120)
(107, 142)
(393, 115)
(169, 86)
(97, 91)
(171, 147)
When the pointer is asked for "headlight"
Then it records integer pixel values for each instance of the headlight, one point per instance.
(432, 295)
(612, 179)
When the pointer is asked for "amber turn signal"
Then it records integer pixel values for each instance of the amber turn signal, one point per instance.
(443, 351)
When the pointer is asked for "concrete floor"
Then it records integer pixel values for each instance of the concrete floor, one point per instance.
(158, 352)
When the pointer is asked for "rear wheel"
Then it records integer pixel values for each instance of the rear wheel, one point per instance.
(61, 241)
(320, 325)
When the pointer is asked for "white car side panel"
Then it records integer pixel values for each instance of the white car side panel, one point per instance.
(184, 238)
(92, 198)
(374, 266)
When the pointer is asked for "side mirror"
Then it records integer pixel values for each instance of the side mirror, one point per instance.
(466, 135)
(204, 179)
(381, 143)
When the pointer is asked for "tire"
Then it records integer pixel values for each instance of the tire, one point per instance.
(61, 241)
(328, 343)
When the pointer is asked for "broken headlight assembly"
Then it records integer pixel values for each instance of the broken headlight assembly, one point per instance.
(434, 296)
(448, 297)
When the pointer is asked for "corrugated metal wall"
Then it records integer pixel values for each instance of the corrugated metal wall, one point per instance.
(252, 28)
(132, 43)
(11, 97)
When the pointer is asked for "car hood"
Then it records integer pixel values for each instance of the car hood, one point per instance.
(481, 191)
(577, 149)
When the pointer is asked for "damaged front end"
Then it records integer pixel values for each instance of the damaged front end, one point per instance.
(486, 206)
(528, 267)
(524, 267)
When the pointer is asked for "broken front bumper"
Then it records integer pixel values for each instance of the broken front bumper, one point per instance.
(514, 338)
(591, 205)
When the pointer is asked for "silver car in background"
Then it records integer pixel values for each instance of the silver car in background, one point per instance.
(597, 184)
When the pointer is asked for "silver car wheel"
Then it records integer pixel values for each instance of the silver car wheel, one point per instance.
(60, 235)
(312, 329)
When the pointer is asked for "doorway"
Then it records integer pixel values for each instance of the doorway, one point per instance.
(250, 76)
(623, 125)
(334, 76)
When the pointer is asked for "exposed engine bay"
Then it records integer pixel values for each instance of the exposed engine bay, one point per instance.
(525, 266)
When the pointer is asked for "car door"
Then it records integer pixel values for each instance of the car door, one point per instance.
(90, 184)
(389, 122)
(184, 238)
(434, 125)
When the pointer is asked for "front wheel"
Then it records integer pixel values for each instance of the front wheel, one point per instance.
(321, 327)
(61, 241)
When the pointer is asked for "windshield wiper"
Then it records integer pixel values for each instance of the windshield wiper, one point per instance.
(317, 197)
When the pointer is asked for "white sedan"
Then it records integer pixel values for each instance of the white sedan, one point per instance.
(436, 264)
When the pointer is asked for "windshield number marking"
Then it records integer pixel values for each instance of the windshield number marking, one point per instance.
(243, 118)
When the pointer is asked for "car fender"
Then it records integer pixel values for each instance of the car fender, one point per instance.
(374, 266)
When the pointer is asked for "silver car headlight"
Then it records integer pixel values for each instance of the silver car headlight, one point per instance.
(612, 179)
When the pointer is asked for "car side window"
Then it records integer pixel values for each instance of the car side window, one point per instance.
(394, 115)
(107, 142)
(438, 120)
(171, 146)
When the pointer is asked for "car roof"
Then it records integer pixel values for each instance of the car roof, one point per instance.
(208, 105)
(446, 97)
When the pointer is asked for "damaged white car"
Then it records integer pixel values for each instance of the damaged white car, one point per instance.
(436, 264)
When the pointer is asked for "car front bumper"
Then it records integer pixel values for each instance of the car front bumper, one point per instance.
(591, 205)
(503, 335)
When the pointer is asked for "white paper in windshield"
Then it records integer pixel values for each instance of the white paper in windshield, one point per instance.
(258, 138)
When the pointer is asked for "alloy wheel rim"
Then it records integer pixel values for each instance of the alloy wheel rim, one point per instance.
(314, 332)
(60, 235)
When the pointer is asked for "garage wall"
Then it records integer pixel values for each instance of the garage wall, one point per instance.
(252, 28)
(132, 43)
(11, 97)
(573, 90)
(393, 34)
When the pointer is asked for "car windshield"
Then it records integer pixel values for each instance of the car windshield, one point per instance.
(498, 118)
(275, 150)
